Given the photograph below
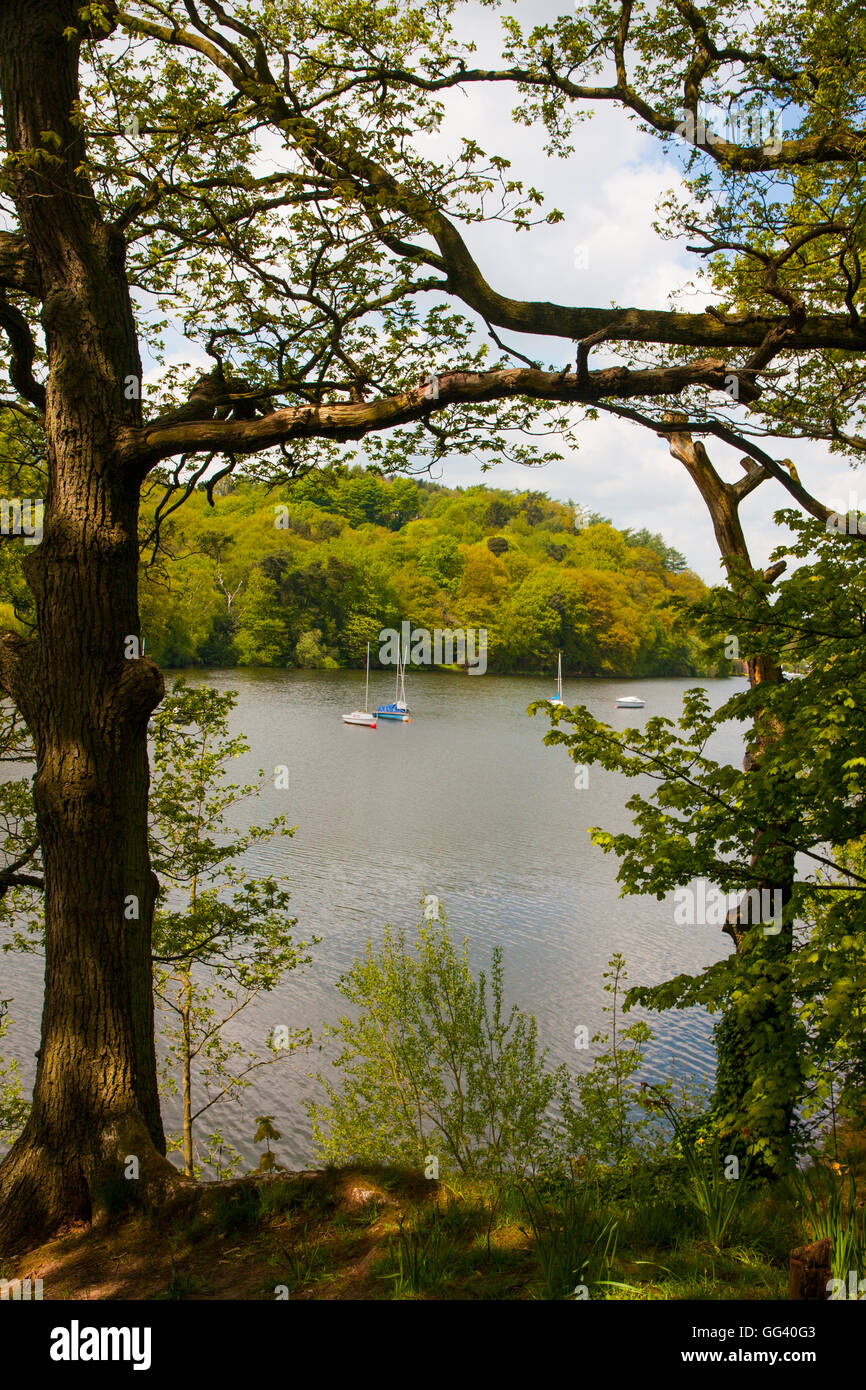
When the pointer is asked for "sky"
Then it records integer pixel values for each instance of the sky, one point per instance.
(605, 251)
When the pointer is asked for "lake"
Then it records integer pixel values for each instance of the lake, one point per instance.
(466, 803)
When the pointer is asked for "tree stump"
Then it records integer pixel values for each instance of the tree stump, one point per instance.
(810, 1271)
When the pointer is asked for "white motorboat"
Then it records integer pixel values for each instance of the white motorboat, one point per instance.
(363, 716)
(629, 702)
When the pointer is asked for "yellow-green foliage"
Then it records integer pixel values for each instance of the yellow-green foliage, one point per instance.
(307, 577)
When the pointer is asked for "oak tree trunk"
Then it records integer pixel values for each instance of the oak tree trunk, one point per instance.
(85, 695)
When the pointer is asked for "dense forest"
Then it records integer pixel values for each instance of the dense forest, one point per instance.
(306, 579)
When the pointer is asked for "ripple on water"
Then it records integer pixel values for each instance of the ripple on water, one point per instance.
(465, 802)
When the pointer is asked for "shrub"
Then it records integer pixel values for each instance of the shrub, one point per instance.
(433, 1068)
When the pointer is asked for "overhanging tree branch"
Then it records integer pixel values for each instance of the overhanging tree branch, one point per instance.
(160, 439)
(377, 189)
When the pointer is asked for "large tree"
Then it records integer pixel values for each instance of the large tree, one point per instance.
(250, 175)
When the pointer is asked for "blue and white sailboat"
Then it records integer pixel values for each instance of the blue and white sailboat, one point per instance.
(557, 699)
(398, 709)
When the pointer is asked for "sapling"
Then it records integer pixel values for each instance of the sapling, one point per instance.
(221, 938)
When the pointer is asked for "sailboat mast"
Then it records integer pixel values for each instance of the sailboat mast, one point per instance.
(367, 685)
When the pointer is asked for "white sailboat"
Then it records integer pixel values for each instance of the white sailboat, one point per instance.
(557, 699)
(629, 702)
(363, 716)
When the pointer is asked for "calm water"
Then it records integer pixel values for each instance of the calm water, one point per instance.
(465, 802)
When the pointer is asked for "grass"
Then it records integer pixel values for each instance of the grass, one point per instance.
(574, 1241)
(388, 1234)
(306, 1261)
(826, 1195)
(179, 1286)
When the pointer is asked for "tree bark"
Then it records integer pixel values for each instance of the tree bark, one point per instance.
(811, 1271)
(746, 1033)
(187, 1076)
(84, 693)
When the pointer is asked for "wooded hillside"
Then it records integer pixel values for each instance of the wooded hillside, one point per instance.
(307, 579)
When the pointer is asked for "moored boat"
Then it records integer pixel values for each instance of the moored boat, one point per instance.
(557, 699)
(363, 716)
(398, 709)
